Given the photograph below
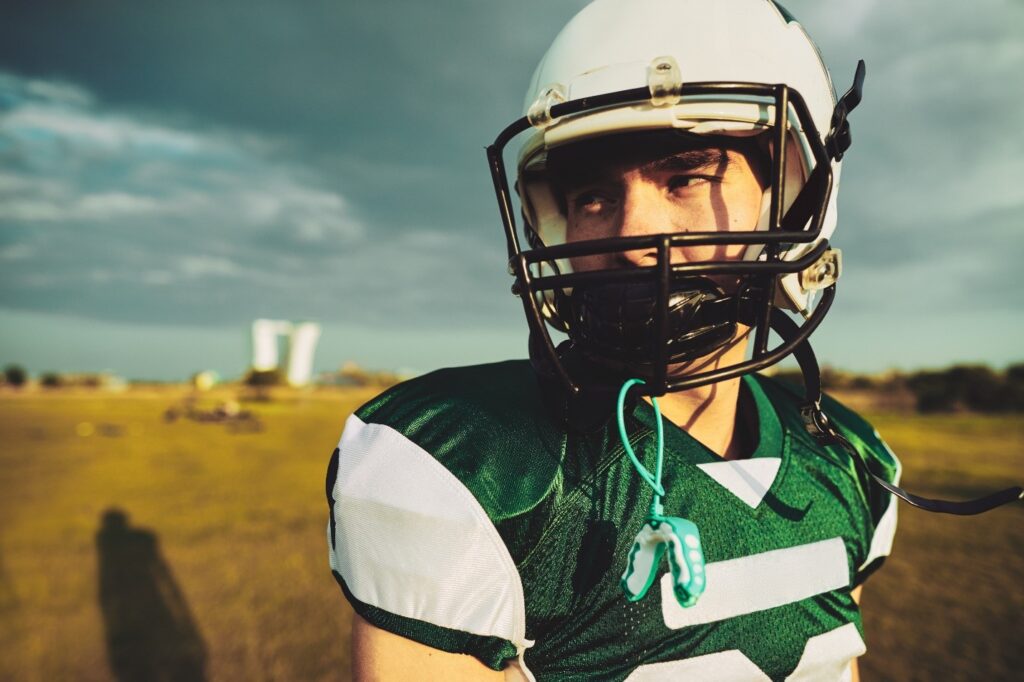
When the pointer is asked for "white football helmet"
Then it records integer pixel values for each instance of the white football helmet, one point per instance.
(737, 68)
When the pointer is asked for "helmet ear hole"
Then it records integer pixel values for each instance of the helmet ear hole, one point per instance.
(543, 207)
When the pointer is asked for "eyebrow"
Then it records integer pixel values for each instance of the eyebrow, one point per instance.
(575, 172)
(687, 161)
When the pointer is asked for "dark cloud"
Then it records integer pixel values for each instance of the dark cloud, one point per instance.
(125, 217)
(415, 86)
(375, 78)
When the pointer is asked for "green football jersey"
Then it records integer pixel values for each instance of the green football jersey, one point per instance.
(463, 516)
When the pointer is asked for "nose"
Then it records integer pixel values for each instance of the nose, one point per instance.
(644, 211)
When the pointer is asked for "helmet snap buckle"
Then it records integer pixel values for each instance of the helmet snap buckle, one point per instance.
(664, 80)
(539, 113)
(824, 272)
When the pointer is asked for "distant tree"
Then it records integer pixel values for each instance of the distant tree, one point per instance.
(931, 392)
(862, 383)
(51, 380)
(974, 387)
(892, 381)
(1014, 376)
(15, 375)
(978, 387)
(1015, 373)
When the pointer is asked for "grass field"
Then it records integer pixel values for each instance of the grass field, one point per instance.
(211, 560)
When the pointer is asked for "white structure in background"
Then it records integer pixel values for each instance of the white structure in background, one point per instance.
(301, 346)
(265, 334)
(302, 340)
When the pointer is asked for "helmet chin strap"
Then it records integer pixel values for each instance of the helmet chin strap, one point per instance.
(821, 428)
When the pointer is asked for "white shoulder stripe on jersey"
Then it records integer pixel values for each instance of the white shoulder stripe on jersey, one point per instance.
(414, 541)
(885, 531)
(826, 658)
(760, 581)
(747, 479)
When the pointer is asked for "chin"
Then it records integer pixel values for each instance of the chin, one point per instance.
(738, 346)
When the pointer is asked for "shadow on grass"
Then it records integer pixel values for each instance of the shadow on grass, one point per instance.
(151, 634)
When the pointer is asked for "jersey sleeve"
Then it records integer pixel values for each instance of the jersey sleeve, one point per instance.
(414, 551)
(882, 505)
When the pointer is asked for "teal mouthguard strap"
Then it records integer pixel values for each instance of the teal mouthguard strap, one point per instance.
(660, 534)
(655, 480)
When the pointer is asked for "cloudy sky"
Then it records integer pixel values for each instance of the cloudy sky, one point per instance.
(170, 171)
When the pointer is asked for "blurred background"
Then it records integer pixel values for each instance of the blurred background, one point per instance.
(172, 172)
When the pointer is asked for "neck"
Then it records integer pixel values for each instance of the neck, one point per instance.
(708, 414)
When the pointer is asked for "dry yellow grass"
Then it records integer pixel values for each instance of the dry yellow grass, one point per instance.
(238, 523)
(948, 605)
(239, 520)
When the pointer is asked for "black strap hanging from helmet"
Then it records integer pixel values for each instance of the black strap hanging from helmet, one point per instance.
(839, 139)
(821, 428)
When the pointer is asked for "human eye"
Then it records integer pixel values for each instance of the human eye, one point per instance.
(684, 183)
(592, 201)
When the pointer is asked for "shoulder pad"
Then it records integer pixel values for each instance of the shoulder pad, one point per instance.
(487, 424)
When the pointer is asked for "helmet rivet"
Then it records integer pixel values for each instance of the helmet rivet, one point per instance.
(539, 113)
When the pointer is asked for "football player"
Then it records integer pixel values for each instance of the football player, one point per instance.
(635, 502)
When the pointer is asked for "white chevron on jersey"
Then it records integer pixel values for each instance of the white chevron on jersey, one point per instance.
(747, 479)
(760, 581)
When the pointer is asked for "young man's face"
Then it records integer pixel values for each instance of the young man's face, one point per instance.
(639, 184)
(657, 183)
